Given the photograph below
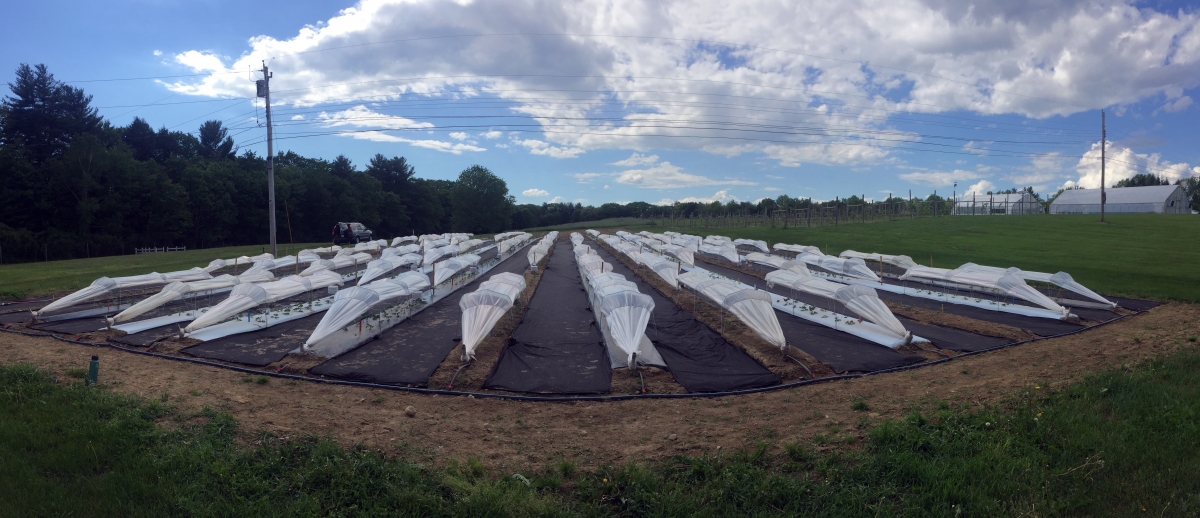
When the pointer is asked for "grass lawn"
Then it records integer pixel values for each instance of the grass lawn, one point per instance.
(32, 279)
(1120, 443)
(1141, 255)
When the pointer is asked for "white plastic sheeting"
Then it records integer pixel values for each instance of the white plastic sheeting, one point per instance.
(444, 270)
(352, 303)
(385, 265)
(1060, 279)
(761, 245)
(467, 244)
(1004, 282)
(798, 249)
(593, 233)
(592, 264)
(483, 307)
(682, 253)
(511, 243)
(106, 285)
(581, 249)
(576, 238)
(433, 255)
(726, 250)
(367, 246)
(717, 240)
(751, 306)
(687, 241)
(179, 289)
(665, 268)
(411, 248)
(303, 257)
(338, 262)
(434, 243)
(773, 261)
(902, 261)
(623, 314)
(245, 297)
(403, 239)
(853, 267)
(861, 300)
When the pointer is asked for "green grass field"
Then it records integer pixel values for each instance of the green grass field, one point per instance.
(1141, 255)
(33, 279)
(637, 223)
(1120, 443)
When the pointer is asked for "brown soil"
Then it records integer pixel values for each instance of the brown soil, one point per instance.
(511, 434)
(979, 327)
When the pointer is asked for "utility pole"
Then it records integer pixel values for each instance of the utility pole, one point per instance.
(264, 91)
(1103, 144)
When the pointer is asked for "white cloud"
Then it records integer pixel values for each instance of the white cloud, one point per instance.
(664, 175)
(606, 187)
(534, 193)
(1123, 163)
(636, 159)
(502, 146)
(458, 135)
(664, 202)
(722, 196)
(980, 187)
(157, 52)
(941, 178)
(773, 177)
(771, 189)
(539, 147)
(492, 134)
(297, 117)
(991, 57)
(558, 199)
(587, 177)
(1178, 105)
(364, 124)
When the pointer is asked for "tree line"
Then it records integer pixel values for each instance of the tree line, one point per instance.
(74, 185)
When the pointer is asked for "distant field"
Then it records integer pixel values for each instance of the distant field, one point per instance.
(603, 223)
(1146, 255)
(33, 279)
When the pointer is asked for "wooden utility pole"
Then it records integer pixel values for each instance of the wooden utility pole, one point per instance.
(264, 91)
(1103, 144)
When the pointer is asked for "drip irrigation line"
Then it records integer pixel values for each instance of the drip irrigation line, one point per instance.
(514, 397)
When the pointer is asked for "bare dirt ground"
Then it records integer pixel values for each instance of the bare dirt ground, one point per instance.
(522, 435)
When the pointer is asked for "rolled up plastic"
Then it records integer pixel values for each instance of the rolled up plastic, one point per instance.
(379, 268)
(680, 252)
(853, 267)
(773, 261)
(751, 306)
(760, 245)
(576, 238)
(337, 263)
(1060, 279)
(403, 239)
(627, 313)
(444, 270)
(106, 285)
(353, 302)
(1005, 282)
(245, 297)
(483, 307)
(437, 254)
(902, 261)
(668, 270)
(179, 289)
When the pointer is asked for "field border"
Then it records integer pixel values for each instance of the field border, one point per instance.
(551, 399)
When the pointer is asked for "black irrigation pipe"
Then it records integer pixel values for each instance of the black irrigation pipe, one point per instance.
(514, 397)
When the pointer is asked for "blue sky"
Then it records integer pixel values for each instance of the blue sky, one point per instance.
(660, 101)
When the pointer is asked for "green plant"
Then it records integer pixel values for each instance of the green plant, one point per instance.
(77, 373)
(860, 405)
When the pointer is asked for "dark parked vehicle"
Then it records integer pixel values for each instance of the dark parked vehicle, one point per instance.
(350, 233)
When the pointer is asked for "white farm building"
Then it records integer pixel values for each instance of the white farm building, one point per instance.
(1163, 199)
(984, 204)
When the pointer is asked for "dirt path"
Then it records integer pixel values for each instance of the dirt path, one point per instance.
(508, 434)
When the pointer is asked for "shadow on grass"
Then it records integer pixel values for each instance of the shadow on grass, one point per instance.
(1114, 444)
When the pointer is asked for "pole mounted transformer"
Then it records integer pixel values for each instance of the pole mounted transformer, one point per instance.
(263, 87)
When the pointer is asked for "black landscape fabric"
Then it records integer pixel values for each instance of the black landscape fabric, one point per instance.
(408, 353)
(258, 348)
(843, 352)
(557, 347)
(73, 326)
(952, 339)
(697, 356)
